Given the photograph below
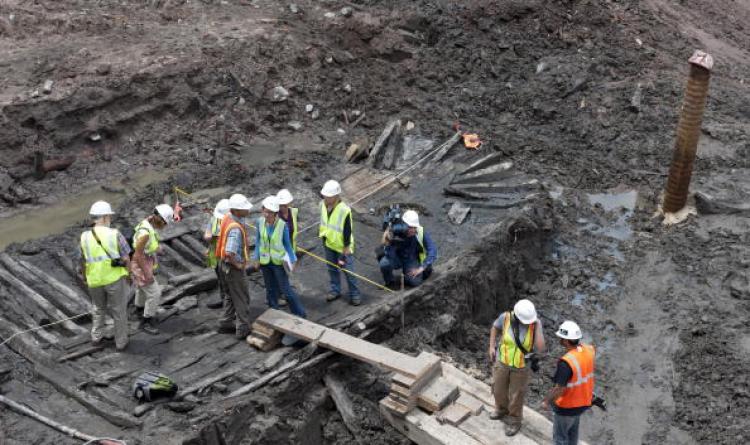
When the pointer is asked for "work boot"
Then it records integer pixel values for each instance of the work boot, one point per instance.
(224, 328)
(215, 303)
(332, 296)
(282, 301)
(496, 415)
(512, 429)
(355, 301)
(242, 332)
(148, 325)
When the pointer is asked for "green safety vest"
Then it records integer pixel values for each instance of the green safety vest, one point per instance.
(211, 260)
(153, 238)
(271, 249)
(332, 227)
(508, 353)
(420, 240)
(99, 271)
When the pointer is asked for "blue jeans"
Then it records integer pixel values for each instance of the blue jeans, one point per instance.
(277, 281)
(565, 429)
(389, 263)
(335, 275)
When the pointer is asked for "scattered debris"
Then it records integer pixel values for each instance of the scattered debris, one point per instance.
(47, 88)
(458, 213)
(309, 108)
(279, 94)
(295, 125)
(293, 8)
(346, 11)
(635, 100)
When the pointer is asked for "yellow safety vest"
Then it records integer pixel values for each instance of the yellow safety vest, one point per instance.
(271, 248)
(153, 238)
(420, 240)
(99, 271)
(332, 227)
(508, 352)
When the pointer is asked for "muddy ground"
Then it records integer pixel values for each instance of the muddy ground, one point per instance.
(583, 95)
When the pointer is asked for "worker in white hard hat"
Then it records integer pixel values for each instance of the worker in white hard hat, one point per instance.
(521, 337)
(145, 264)
(210, 236)
(288, 214)
(232, 250)
(273, 251)
(573, 391)
(337, 233)
(105, 255)
(407, 246)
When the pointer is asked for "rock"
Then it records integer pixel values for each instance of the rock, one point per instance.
(47, 88)
(279, 94)
(181, 407)
(95, 137)
(348, 88)
(295, 125)
(309, 108)
(241, 101)
(541, 67)
(315, 114)
(635, 100)
(458, 213)
(355, 152)
(103, 69)
(35, 94)
(6, 181)
(341, 131)
(346, 11)
(294, 9)
(329, 15)
(329, 60)
(186, 303)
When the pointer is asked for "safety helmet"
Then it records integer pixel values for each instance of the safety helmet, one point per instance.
(221, 209)
(411, 218)
(285, 197)
(166, 212)
(101, 208)
(569, 330)
(271, 203)
(239, 202)
(525, 312)
(330, 189)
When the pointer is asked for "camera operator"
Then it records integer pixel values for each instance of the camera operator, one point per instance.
(407, 246)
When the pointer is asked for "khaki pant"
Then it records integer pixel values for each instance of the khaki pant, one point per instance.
(111, 300)
(237, 305)
(148, 297)
(509, 388)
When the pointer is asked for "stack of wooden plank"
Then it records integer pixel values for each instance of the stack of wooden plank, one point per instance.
(263, 337)
(405, 390)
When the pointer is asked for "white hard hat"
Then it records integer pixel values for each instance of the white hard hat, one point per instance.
(569, 330)
(166, 212)
(525, 312)
(221, 209)
(285, 197)
(239, 202)
(331, 188)
(271, 203)
(101, 208)
(411, 218)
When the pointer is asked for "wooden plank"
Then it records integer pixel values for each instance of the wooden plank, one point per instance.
(187, 252)
(492, 432)
(382, 141)
(343, 403)
(472, 403)
(179, 259)
(196, 245)
(453, 414)
(78, 302)
(54, 313)
(437, 394)
(80, 353)
(424, 429)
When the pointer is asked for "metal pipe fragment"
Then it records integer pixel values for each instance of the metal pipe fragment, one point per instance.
(688, 132)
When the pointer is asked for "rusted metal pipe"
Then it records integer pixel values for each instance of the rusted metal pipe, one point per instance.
(688, 131)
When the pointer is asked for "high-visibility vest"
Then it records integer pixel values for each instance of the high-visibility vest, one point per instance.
(228, 223)
(98, 270)
(215, 227)
(508, 352)
(420, 240)
(332, 227)
(580, 388)
(271, 249)
(153, 238)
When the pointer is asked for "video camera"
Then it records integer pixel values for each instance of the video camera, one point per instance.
(394, 224)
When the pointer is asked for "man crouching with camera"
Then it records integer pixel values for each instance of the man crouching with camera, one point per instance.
(406, 246)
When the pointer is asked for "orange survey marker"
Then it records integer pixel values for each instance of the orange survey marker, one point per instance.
(472, 141)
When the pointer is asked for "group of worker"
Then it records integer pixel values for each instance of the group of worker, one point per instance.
(516, 337)
(107, 260)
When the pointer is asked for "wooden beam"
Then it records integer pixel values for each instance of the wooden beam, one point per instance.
(76, 301)
(179, 259)
(20, 409)
(423, 429)
(345, 344)
(80, 353)
(437, 394)
(54, 313)
(382, 141)
(343, 404)
(188, 252)
(453, 414)
(205, 281)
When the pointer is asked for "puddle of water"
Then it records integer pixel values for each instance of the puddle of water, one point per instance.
(56, 218)
(612, 201)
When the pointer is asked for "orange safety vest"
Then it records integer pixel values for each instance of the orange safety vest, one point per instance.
(580, 388)
(228, 223)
